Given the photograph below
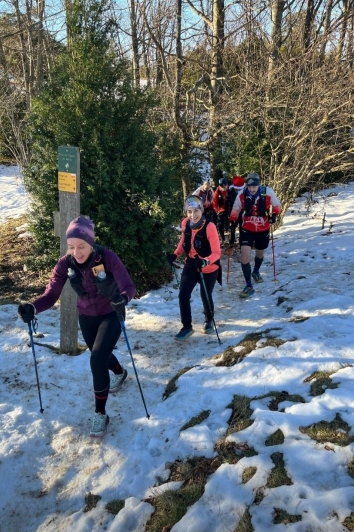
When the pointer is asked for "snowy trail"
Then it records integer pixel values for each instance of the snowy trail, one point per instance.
(50, 463)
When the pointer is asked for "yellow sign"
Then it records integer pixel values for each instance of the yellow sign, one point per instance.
(66, 182)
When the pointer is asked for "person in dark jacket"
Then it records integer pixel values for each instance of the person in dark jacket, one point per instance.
(101, 306)
(220, 206)
(237, 186)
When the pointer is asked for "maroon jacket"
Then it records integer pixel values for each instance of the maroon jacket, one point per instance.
(92, 303)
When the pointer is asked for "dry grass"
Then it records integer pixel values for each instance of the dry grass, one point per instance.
(17, 281)
(245, 523)
(248, 473)
(351, 468)
(278, 475)
(282, 517)
(114, 507)
(171, 385)
(279, 397)
(196, 420)
(91, 501)
(240, 417)
(349, 522)
(171, 506)
(277, 438)
(230, 356)
(322, 382)
(336, 432)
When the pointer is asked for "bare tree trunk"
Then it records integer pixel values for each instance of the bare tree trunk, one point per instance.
(277, 12)
(135, 44)
(308, 25)
(343, 30)
(40, 46)
(24, 54)
(216, 86)
(350, 43)
(326, 27)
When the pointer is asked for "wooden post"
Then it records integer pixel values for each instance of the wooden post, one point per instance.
(69, 208)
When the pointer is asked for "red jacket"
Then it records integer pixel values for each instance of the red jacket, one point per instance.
(219, 200)
(255, 223)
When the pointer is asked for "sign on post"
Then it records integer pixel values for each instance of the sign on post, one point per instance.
(69, 208)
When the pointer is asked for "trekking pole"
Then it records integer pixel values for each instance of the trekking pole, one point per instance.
(212, 313)
(30, 332)
(273, 252)
(122, 324)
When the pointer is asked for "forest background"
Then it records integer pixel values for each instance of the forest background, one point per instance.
(160, 95)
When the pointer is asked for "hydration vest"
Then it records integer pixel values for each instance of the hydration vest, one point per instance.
(201, 245)
(201, 242)
(261, 203)
(97, 260)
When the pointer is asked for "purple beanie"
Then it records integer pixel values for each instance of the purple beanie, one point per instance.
(81, 228)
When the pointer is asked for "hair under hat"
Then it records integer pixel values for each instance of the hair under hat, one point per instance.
(82, 228)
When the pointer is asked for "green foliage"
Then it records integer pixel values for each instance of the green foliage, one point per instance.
(129, 187)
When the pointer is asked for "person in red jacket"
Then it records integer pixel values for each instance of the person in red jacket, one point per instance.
(101, 305)
(259, 206)
(220, 206)
(200, 243)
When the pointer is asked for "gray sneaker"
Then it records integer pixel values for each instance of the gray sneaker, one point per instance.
(117, 381)
(99, 425)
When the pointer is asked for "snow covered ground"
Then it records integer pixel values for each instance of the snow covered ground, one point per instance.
(48, 464)
(13, 199)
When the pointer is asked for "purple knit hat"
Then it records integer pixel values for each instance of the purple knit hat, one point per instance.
(81, 228)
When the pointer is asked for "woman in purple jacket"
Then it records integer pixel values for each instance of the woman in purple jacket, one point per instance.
(104, 288)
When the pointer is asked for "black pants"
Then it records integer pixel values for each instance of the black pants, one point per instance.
(189, 278)
(221, 224)
(233, 226)
(101, 334)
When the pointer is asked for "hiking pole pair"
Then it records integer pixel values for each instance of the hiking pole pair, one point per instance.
(32, 327)
(209, 305)
(122, 324)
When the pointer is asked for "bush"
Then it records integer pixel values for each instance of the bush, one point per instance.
(129, 187)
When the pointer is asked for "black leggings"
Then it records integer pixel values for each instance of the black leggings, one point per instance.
(189, 278)
(101, 334)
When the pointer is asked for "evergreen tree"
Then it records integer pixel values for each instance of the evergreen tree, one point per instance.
(127, 187)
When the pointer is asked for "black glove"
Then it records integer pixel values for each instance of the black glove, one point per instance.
(26, 312)
(107, 287)
(273, 218)
(201, 263)
(170, 257)
(118, 304)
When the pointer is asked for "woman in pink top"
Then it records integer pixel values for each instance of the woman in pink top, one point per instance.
(200, 243)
